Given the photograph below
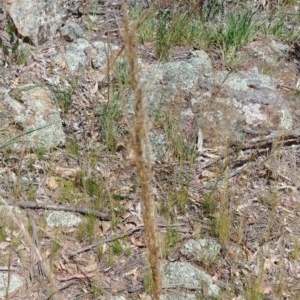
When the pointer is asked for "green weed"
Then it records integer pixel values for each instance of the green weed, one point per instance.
(40, 152)
(117, 248)
(91, 223)
(179, 200)
(216, 206)
(68, 191)
(96, 289)
(123, 72)
(184, 149)
(171, 238)
(163, 42)
(214, 226)
(209, 203)
(100, 198)
(31, 193)
(237, 32)
(22, 54)
(109, 114)
(63, 99)
(117, 209)
(176, 203)
(195, 34)
(278, 26)
(11, 49)
(73, 147)
(174, 28)
(170, 27)
(86, 230)
(3, 234)
(148, 283)
(213, 10)
(16, 242)
(90, 11)
(91, 187)
(254, 288)
(181, 144)
(147, 30)
(270, 199)
(81, 232)
(225, 216)
(55, 247)
(100, 251)
(110, 260)
(295, 252)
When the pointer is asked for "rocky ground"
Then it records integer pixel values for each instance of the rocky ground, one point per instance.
(225, 153)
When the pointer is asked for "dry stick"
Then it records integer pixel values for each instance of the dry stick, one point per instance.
(118, 237)
(107, 240)
(65, 286)
(7, 269)
(291, 137)
(143, 164)
(261, 145)
(81, 210)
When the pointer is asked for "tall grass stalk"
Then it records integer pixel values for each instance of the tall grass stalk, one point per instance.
(225, 216)
(141, 150)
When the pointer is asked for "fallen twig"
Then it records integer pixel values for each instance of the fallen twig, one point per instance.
(259, 143)
(85, 211)
(7, 269)
(117, 237)
(65, 286)
(107, 240)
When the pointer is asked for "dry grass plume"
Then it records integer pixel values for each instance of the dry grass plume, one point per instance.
(142, 160)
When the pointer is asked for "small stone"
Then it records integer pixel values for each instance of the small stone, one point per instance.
(71, 31)
(9, 283)
(62, 218)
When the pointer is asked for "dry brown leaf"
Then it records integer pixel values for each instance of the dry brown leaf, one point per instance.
(67, 172)
(215, 278)
(242, 207)
(251, 220)
(32, 65)
(95, 88)
(65, 257)
(127, 214)
(63, 65)
(138, 242)
(129, 226)
(58, 266)
(250, 256)
(267, 289)
(208, 174)
(70, 277)
(115, 287)
(106, 226)
(144, 297)
(71, 268)
(52, 183)
(16, 81)
(205, 290)
(90, 268)
(267, 264)
(135, 277)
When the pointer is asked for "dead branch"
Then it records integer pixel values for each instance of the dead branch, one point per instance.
(84, 211)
